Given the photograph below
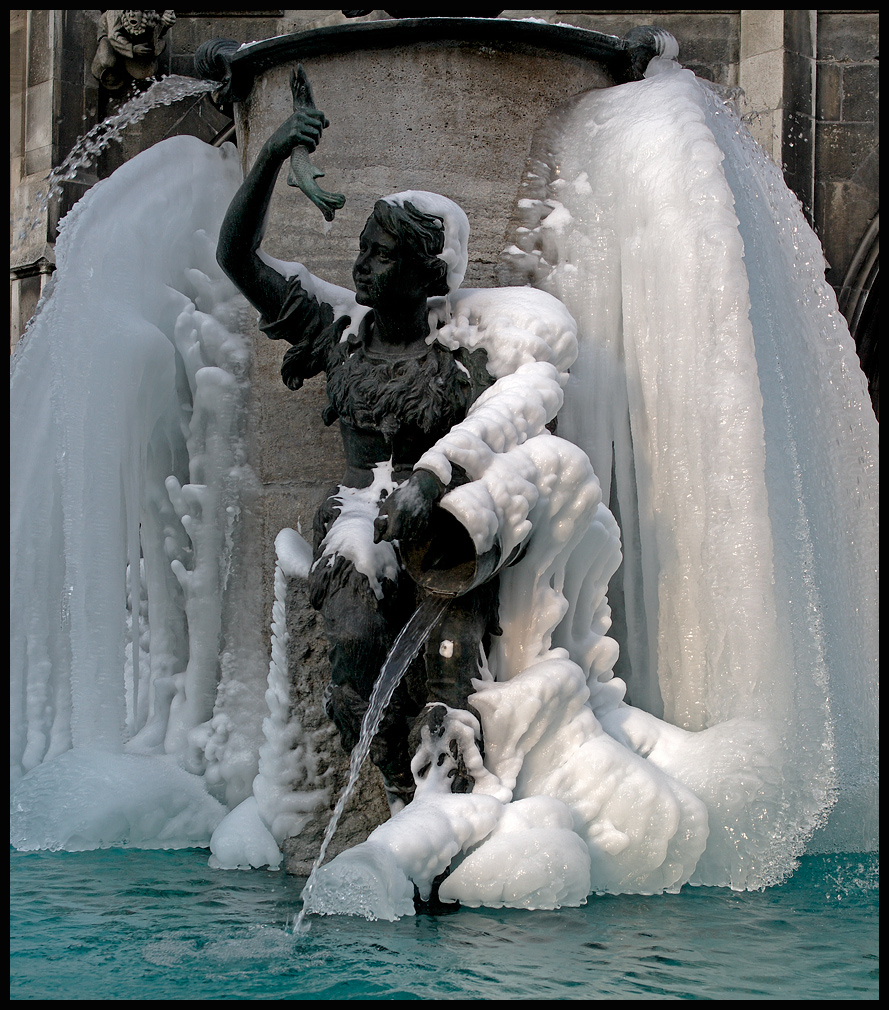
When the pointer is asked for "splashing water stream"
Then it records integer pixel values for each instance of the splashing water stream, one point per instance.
(408, 643)
(164, 91)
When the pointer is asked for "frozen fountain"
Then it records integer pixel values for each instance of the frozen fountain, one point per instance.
(713, 386)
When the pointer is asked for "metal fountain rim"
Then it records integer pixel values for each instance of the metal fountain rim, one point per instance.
(624, 58)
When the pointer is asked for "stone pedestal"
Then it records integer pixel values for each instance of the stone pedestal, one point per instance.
(307, 663)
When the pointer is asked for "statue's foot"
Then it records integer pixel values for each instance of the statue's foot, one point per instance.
(398, 794)
(447, 749)
(433, 905)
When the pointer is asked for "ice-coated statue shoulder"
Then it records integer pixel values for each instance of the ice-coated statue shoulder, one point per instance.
(530, 340)
(514, 325)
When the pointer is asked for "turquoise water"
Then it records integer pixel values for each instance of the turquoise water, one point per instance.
(128, 925)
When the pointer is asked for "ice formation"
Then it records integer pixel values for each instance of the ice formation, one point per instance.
(717, 394)
(744, 460)
(129, 475)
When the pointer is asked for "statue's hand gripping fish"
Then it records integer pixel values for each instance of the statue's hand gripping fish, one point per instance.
(302, 172)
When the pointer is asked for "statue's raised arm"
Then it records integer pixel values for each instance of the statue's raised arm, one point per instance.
(244, 225)
(302, 172)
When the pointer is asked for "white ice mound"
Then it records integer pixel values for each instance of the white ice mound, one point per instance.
(376, 878)
(365, 880)
(645, 830)
(532, 859)
(86, 799)
(735, 769)
(242, 841)
(515, 326)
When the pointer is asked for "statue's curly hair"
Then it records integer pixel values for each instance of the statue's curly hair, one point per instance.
(422, 235)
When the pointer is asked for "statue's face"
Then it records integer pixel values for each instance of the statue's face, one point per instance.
(383, 273)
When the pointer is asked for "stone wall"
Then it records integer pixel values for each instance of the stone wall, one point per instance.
(846, 162)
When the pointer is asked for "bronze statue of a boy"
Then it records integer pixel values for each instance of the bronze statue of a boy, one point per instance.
(394, 394)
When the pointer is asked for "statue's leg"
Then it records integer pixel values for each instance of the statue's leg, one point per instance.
(357, 631)
(360, 630)
(447, 742)
(452, 653)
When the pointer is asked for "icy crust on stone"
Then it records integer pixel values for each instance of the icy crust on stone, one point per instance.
(533, 858)
(293, 554)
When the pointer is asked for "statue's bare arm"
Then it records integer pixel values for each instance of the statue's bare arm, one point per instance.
(244, 224)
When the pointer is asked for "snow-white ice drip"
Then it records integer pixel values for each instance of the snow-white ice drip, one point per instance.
(129, 474)
(289, 788)
(715, 392)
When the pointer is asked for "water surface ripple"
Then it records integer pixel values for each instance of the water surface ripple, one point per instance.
(114, 924)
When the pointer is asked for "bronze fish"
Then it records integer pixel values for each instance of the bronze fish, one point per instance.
(302, 172)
